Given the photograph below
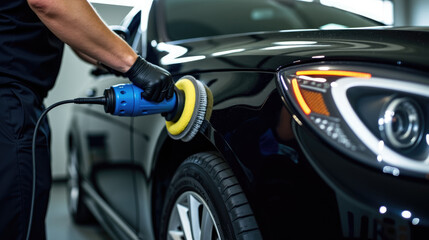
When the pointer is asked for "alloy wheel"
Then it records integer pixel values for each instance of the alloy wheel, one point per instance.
(191, 219)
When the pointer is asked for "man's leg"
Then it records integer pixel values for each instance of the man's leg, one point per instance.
(19, 112)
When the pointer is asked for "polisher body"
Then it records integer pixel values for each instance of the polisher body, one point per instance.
(184, 112)
(129, 101)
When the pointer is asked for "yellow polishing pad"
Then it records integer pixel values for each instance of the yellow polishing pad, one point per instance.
(186, 85)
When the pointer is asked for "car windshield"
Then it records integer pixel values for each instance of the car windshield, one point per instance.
(202, 18)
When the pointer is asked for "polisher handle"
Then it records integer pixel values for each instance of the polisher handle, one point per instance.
(127, 100)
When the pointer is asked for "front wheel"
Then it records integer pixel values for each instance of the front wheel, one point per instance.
(205, 201)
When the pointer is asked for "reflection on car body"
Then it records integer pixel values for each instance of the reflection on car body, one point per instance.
(315, 132)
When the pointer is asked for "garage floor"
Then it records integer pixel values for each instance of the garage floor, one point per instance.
(59, 224)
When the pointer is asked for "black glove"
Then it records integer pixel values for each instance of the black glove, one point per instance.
(155, 81)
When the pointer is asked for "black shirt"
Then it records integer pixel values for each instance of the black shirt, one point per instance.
(29, 53)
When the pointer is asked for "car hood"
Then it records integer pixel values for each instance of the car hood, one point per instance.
(270, 51)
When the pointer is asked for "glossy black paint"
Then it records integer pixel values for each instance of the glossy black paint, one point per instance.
(406, 47)
(297, 185)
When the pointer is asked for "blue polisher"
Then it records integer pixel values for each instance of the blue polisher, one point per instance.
(184, 112)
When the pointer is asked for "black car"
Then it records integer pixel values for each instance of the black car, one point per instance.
(319, 128)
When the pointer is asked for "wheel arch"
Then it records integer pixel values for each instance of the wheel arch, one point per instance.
(171, 154)
(73, 137)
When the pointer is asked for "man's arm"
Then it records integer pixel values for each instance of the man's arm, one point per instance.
(85, 57)
(78, 25)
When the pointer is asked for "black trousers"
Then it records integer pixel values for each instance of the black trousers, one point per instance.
(19, 111)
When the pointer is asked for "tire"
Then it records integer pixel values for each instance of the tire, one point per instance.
(77, 208)
(205, 201)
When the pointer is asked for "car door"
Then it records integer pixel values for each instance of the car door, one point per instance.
(111, 167)
(144, 128)
(110, 160)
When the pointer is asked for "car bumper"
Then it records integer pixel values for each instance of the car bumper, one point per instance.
(372, 204)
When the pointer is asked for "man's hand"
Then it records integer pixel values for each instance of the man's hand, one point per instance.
(155, 81)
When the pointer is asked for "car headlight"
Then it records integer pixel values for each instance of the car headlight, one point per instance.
(371, 113)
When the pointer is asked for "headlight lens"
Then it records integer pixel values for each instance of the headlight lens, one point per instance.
(369, 113)
(401, 123)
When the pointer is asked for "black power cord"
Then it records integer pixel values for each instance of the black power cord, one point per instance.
(95, 100)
